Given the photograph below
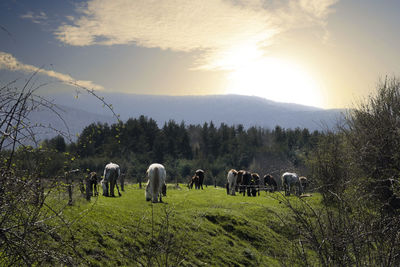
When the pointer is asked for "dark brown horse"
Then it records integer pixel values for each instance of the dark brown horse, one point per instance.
(255, 184)
(91, 185)
(197, 180)
(269, 180)
(243, 182)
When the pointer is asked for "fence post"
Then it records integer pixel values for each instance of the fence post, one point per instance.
(68, 181)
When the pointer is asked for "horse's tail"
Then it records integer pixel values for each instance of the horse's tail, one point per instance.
(106, 174)
(156, 181)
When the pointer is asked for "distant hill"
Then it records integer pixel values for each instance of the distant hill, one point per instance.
(229, 109)
(65, 119)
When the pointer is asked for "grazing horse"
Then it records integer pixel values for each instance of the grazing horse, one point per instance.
(111, 174)
(288, 180)
(156, 183)
(194, 180)
(269, 180)
(91, 185)
(231, 182)
(303, 182)
(255, 184)
(200, 174)
(243, 182)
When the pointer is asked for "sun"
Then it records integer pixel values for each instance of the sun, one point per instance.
(276, 80)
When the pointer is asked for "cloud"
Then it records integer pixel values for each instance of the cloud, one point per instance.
(217, 28)
(7, 61)
(35, 18)
(317, 9)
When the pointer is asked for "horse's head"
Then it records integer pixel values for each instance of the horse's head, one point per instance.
(255, 177)
(303, 181)
(195, 179)
(148, 193)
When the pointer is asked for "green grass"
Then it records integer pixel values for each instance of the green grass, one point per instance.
(191, 228)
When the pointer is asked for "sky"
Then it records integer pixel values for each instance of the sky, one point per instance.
(322, 53)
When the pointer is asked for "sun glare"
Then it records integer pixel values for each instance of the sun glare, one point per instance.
(276, 80)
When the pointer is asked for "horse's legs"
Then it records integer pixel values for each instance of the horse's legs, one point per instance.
(299, 189)
(81, 186)
(88, 189)
(116, 183)
(112, 186)
(122, 180)
(105, 188)
(286, 188)
(91, 186)
(95, 189)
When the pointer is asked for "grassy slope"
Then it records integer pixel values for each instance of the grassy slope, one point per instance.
(201, 227)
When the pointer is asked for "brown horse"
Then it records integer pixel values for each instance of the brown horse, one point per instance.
(194, 180)
(303, 182)
(91, 185)
(197, 180)
(255, 184)
(243, 182)
(269, 180)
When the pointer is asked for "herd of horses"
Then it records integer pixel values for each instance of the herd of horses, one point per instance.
(246, 182)
(237, 181)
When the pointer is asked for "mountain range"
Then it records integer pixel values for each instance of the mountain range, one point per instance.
(80, 111)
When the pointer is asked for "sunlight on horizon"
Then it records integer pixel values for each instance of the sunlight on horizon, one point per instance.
(273, 79)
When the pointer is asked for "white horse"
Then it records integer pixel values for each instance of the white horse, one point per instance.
(111, 174)
(288, 180)
(157, 175)
(231, 184)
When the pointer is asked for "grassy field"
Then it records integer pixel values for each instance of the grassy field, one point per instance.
(191, 228)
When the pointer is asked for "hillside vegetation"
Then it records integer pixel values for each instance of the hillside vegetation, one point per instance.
(191, 228)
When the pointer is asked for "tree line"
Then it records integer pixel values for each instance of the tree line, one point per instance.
(138, 142)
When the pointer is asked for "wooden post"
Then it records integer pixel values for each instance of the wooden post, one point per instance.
(68, 181)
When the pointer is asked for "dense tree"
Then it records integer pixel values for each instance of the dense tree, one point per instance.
(142, 142)
(57, 143)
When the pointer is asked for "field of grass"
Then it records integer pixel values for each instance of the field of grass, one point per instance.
(191, 228)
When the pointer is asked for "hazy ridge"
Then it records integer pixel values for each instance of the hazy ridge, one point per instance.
(229, 109)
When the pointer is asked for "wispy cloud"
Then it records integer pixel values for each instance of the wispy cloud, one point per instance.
(216, 28)
(9, 62)
(38, 18)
